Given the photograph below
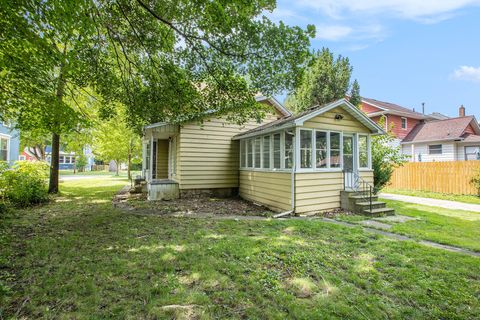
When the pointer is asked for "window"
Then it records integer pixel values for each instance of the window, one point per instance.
(73, 159)
(321, 149)
(67, 159)
(288, 153)
(22, 158)
(250, 153)
(334, 150)
(266, 152)
(61, 159)
(305, 148)
(404, 123)
(435, 149)
(276, 151)
(472, 153)
(363, 151)
(3, 149)
(257, 152)
(242, 153)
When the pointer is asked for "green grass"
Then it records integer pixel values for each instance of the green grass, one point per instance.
(96, 173)
(453, 227)
(80, 258)
(435, 195)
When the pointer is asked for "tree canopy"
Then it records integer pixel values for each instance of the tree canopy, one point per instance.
(326, 79)
(355, 97)
(164, 60)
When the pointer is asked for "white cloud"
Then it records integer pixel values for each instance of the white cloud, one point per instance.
(423, 10)
(332, 33)
(467, 73)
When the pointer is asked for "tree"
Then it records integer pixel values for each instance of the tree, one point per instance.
(385, 158)
(114, 140)
(326, 79)
(164, 60)
(355, 97)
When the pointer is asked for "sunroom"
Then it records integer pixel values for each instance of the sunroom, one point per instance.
(301, 163)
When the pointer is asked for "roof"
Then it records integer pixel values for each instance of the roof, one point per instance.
(391, 108)
(448, 129)
(299, 119)
(259, 98)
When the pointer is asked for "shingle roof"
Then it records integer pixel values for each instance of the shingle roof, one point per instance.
(471, 138)
(393, 107)
(449, 129)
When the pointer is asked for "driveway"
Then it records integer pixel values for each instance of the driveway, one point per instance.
(447, 204)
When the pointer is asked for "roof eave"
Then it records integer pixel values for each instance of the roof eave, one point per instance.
(286, 125)
(433, 140)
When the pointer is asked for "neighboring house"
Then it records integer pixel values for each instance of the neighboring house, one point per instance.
(9, 143)
(286, 162)
(67, 159)
(400, 119)
(444, 140)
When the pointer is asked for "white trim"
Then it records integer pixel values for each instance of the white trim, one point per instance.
(276, 104)
(374, 105)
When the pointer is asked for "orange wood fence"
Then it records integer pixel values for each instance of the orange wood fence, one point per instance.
(444, 177)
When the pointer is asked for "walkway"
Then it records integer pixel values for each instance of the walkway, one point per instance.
(447, 204)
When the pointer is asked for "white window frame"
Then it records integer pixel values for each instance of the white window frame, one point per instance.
(434, 154)
(465, 151)
(369, 152)
(8, 138)
(298, 148)
(327, 136)
(330, 168)
(401, 123)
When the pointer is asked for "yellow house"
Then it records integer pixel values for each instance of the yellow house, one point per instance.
(289, 163)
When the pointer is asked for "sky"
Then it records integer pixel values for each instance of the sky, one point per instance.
(402, 51)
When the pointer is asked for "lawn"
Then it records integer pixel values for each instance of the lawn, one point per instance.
(435, 195)
(454, 227)
(80, 258)
(96, 173)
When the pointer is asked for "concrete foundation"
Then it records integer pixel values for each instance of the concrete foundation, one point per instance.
(163, 190)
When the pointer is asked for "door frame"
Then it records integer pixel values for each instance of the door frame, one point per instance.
(349, 177)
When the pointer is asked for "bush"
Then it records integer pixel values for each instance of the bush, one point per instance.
(24, 184)
(475, 181)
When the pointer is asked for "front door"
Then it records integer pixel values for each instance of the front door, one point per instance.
(349, 166)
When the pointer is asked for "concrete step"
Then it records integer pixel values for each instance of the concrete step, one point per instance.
(362, 198)
(360, 206)
(379, 212)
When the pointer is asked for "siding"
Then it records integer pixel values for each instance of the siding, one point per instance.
(208, 158)
(320, 191)
(449, 152)
(162, 159)
(396, 121)
(365, 107)
(272, 189)
(461, 149)
(327, 121)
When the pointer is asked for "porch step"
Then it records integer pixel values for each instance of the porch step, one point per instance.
(361, 206)
(362, 198)
(379, 212)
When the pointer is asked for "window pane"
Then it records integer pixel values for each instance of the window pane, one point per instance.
(266, 152)
(305, 148)
(276, 151)
(321, 149)
(250, 153)
(257, 153)
(73, 159)
(334, 150)
(435, 149)
(61, 159)
(67, 159)
(242, 154)
(363, 151)
(3, 149)
(288, 150)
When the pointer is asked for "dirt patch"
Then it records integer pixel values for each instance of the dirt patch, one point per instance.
(200, 204)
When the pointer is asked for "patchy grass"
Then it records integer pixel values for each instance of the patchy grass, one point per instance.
(435, 195)
(81, 258)
(454, 227)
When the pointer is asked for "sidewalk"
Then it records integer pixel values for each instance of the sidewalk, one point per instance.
(447, 204)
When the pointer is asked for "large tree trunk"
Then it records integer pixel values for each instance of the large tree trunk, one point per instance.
(54, 164)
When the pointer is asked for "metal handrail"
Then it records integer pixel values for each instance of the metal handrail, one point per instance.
(359, 185)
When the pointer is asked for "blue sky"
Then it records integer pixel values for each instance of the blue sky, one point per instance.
(403, 51)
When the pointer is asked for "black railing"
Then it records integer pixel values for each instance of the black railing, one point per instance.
(353, 181)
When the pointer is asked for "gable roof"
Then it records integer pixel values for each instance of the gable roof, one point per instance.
(391, 108)
(299, 119)
(448, 129)
(259, 98)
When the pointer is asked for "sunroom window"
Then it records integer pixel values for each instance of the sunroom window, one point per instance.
(363, 151)
(242, 154)
(321, 150)
(250, 153)
(288, 154)
(334, 150)
(266, 152)
(257, 152)
(306, 148)
(276, 151)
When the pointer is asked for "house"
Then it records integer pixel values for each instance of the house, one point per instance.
(67, 159)
(444, 140)
(401, 120)
(9, 143)
(299, 163)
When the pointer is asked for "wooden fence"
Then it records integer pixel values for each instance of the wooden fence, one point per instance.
(100, 167)
(445, 177)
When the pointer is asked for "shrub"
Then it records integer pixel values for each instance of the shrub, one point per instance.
(475, 181)
(24, 184)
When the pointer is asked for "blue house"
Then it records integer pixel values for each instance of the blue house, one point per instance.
(9, 143)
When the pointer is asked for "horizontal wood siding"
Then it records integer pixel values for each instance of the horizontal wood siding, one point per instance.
(327, 121)
(445, 177)
(162, 159)
(208, 158)
(272, 189)
(449, 152)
